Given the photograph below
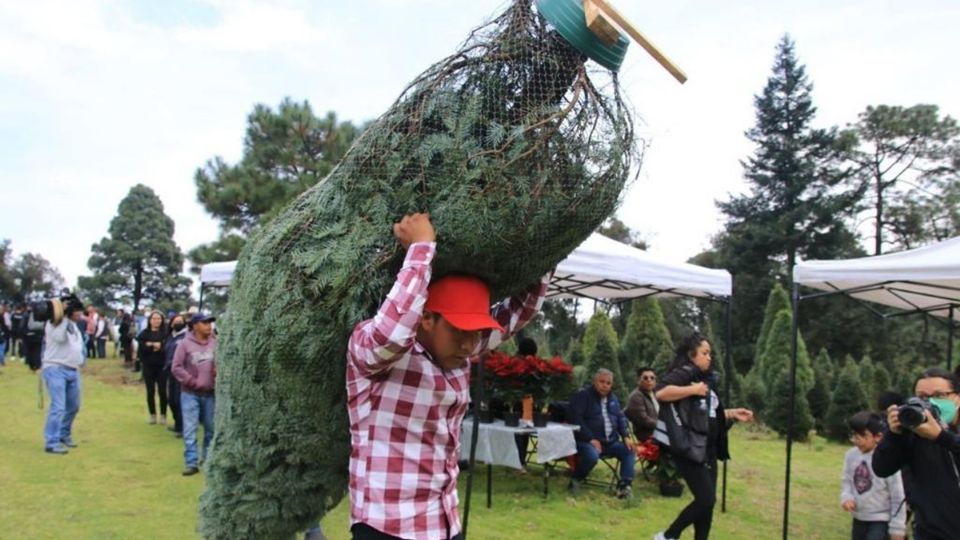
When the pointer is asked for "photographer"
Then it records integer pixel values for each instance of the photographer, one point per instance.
(62, 359)
(931, 449)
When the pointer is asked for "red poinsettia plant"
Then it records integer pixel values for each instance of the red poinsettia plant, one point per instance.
(649, 453)
(512, 377)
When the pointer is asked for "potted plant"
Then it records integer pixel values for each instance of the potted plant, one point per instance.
(510, 378)
(664, 469)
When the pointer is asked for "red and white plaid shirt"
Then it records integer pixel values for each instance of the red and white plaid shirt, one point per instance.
(405, 410)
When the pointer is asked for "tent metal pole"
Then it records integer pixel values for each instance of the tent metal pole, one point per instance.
(791, 405)
(475, 430)
(201, 298)
(950, 339)
(728, 366)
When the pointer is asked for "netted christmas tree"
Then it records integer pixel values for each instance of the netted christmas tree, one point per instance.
(516, 146)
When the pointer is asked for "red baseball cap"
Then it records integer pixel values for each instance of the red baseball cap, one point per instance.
(464, 301)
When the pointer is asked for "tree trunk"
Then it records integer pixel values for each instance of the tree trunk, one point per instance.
(878, 223)
(137, 285)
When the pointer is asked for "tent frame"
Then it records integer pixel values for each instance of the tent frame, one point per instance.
(950, 304)
(619, 286)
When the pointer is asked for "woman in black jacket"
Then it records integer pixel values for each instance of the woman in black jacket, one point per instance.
(150, 351)
(690, 378)
(178, 331)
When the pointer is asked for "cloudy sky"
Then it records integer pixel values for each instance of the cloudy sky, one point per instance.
(97, 96)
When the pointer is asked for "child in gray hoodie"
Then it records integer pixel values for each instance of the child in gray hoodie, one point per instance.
(877, 504)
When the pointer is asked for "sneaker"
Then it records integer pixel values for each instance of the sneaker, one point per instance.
(574, 486)
(68, 442)
(153, 419)
(178, 434)
(163, 420)
(190, 471)
(660, 536)
(625, 492)
(58, 449)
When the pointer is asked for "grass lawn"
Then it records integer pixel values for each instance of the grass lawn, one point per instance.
(124, 481)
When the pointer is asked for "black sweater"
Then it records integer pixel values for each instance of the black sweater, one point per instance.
(148, 356)
(935, 467)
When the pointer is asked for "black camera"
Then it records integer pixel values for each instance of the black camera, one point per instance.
(912, 412)
(54, 309)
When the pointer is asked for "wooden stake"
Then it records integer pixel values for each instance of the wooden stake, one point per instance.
(600, 25)
(632, 31)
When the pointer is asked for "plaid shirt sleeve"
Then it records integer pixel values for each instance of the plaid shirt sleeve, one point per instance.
(514, 313)
(379, 342)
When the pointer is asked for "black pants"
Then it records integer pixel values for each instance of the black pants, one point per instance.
(701, 478)
(31, 351)
(154, 378)
(173, 397)
(362, 531)
(869, 530)
(91, 346)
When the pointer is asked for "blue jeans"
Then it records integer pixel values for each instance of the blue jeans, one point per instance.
(195, 409)
(63, 385)
(3, 352)
(587, 457)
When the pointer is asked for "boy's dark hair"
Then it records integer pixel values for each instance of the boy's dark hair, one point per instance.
(888, 398)
(865, 421)
(526, 347)
(641, 369)
(941, 373)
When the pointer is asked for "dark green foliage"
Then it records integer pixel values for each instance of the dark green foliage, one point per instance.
(778, 301)
(848, 398)
(754, 392)
(646, 340)
(139, 258)
(8, 286)
(778, 406)
(36, 277)
(775, 369)
(867, 378)
(798, 201)
(778, 352)
(907, 158)
(819, 395)
(285, 152)
(517, 152)
(605, 356)
(601, 350)
(881, 382)
(559, 316)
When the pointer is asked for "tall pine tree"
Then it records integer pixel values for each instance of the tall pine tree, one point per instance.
(819, 394)
(601, 349)
(798, 201)
(848, 399)
(139, 259)
(646, 340)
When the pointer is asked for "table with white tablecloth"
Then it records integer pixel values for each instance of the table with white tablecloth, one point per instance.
(497, 445)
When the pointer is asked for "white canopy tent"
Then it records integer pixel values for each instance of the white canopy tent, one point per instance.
(217, 274)
(922, 280)
(602, 268)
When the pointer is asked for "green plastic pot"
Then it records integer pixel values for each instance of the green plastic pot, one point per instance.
(569, 19)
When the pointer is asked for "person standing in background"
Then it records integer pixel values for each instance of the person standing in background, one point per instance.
(178, 331)
(150, 351)
(194, 366)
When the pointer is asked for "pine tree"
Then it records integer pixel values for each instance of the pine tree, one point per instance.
(646, 340)
(819, 396)
(778, 301)
(868, 378)
(774, 362)
(881, 381)
(848, 398)
(754, 393)
(600, 347)
(778, 353)
(139, 259)
(777, 408)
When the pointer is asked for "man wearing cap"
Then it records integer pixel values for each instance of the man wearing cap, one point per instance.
(408, 387)
(196, 371)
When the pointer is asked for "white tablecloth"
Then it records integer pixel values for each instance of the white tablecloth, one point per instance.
(496, 443)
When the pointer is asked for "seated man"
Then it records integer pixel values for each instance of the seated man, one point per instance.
(603, 432)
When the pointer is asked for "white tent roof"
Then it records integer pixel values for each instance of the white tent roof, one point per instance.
(924, 279)
(600, 268)
(607, 269)
(217, 274)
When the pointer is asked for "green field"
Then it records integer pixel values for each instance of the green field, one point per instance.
(124, 481)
